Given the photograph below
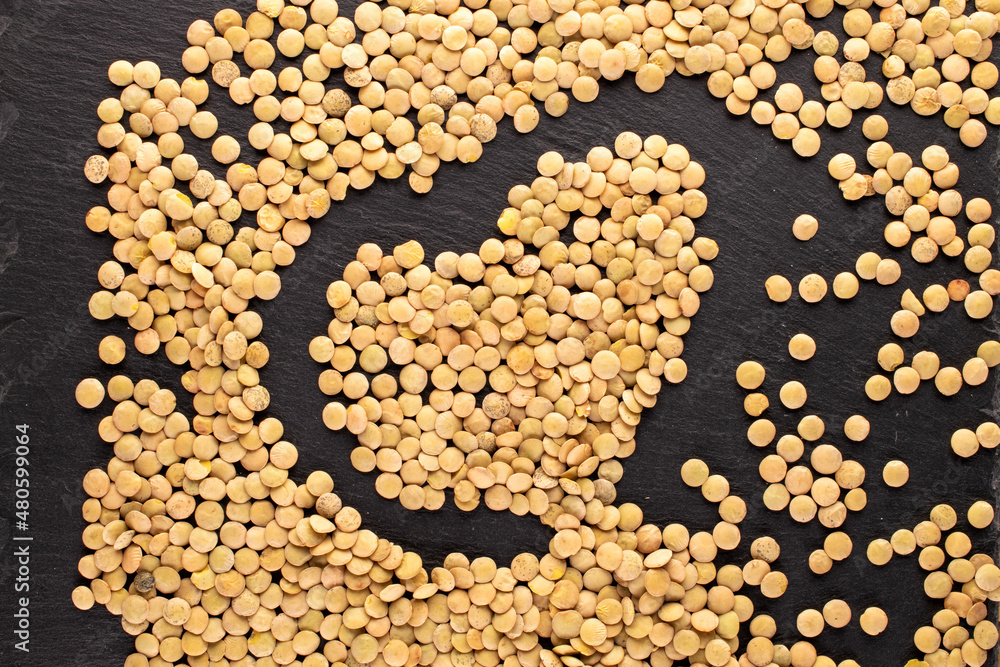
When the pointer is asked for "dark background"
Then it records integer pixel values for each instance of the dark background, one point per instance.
(53, 60)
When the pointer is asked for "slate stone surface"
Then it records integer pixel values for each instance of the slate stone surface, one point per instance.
(53, 59)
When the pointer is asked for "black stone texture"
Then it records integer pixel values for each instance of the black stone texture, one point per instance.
(53, 59)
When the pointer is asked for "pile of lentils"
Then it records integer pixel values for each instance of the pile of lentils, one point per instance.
(567, 343)
(206, 561)
(414, 443)
(212, 555)
(459, 68)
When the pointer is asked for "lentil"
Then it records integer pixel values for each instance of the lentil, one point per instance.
(779, 289)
